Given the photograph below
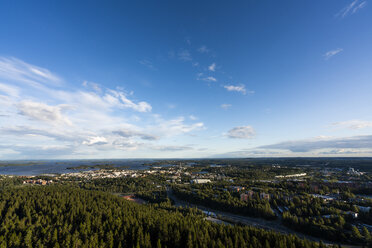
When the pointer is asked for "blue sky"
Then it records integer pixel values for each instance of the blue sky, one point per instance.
(191, 79)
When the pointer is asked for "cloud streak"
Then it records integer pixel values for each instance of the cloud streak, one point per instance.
(242, 132)
(352, 8)
(353, 124)
(200, 76)
(332, 53)
(126, 133)
(238, 88)
(19, 71)
(203, 49)
(354, 142)
(226, 106)
(184, 55)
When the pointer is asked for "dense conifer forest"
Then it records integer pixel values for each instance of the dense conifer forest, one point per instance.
(64, 216)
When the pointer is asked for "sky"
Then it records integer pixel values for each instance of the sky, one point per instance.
(185, 79)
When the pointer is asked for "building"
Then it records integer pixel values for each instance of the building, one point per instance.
(236, 188)
(247, 195)
(38, 181)
(353, 214)
(200, 181)
(244, 197)
(326, 198)
(264, 196)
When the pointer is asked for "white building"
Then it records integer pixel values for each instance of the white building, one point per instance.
(198, 181)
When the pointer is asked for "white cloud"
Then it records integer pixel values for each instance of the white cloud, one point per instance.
(306, 145)
(226, 106)
(97, 140)
(332, 53)
(127, 133)
(96, 87)
(43, 112)
(192, 117)
(18, 71)
(353, 124)
(119, 99)
(175, 127)
(127, 145)
(242, 132)
(360, 6)
(352, 8)
(212, 67)
(200, 76)
(36, 151)
(210, 79)
(9, 90)
(35, 133)
(89, 121)
(203, 49)
(339, 152)
(237, 88)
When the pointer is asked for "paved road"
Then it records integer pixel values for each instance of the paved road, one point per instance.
(275, 225)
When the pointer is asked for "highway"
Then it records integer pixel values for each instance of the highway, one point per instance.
(274, 225)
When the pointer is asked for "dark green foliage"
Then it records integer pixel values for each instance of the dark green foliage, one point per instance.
(224, 201)
(60, 216)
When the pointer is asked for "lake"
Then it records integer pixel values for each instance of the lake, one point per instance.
(33, 168)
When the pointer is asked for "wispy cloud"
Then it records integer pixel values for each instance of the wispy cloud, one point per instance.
(192, 117)
(43, 112)
(36, 151)
(19, 71)
(176, 126)
(147, 63)
(243, 132)
(226, 106)
(120, 99)
(238, 88)
(127, 133)
(200, 76)
(248, 153)
(97, 140)
(171, 148)
(352, 8)
(353, 124)
(35, 132)
(184, 55)
(203, 49)
(212, 67)
(210, 79)
(332, 53)
(9, 90)
(354, 142)
(90, 120)
(96, 87)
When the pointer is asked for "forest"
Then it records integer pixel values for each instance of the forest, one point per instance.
(64, 216)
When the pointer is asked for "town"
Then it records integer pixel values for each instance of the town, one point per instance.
(322, 203)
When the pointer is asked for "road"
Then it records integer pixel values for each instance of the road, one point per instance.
(274, 225)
